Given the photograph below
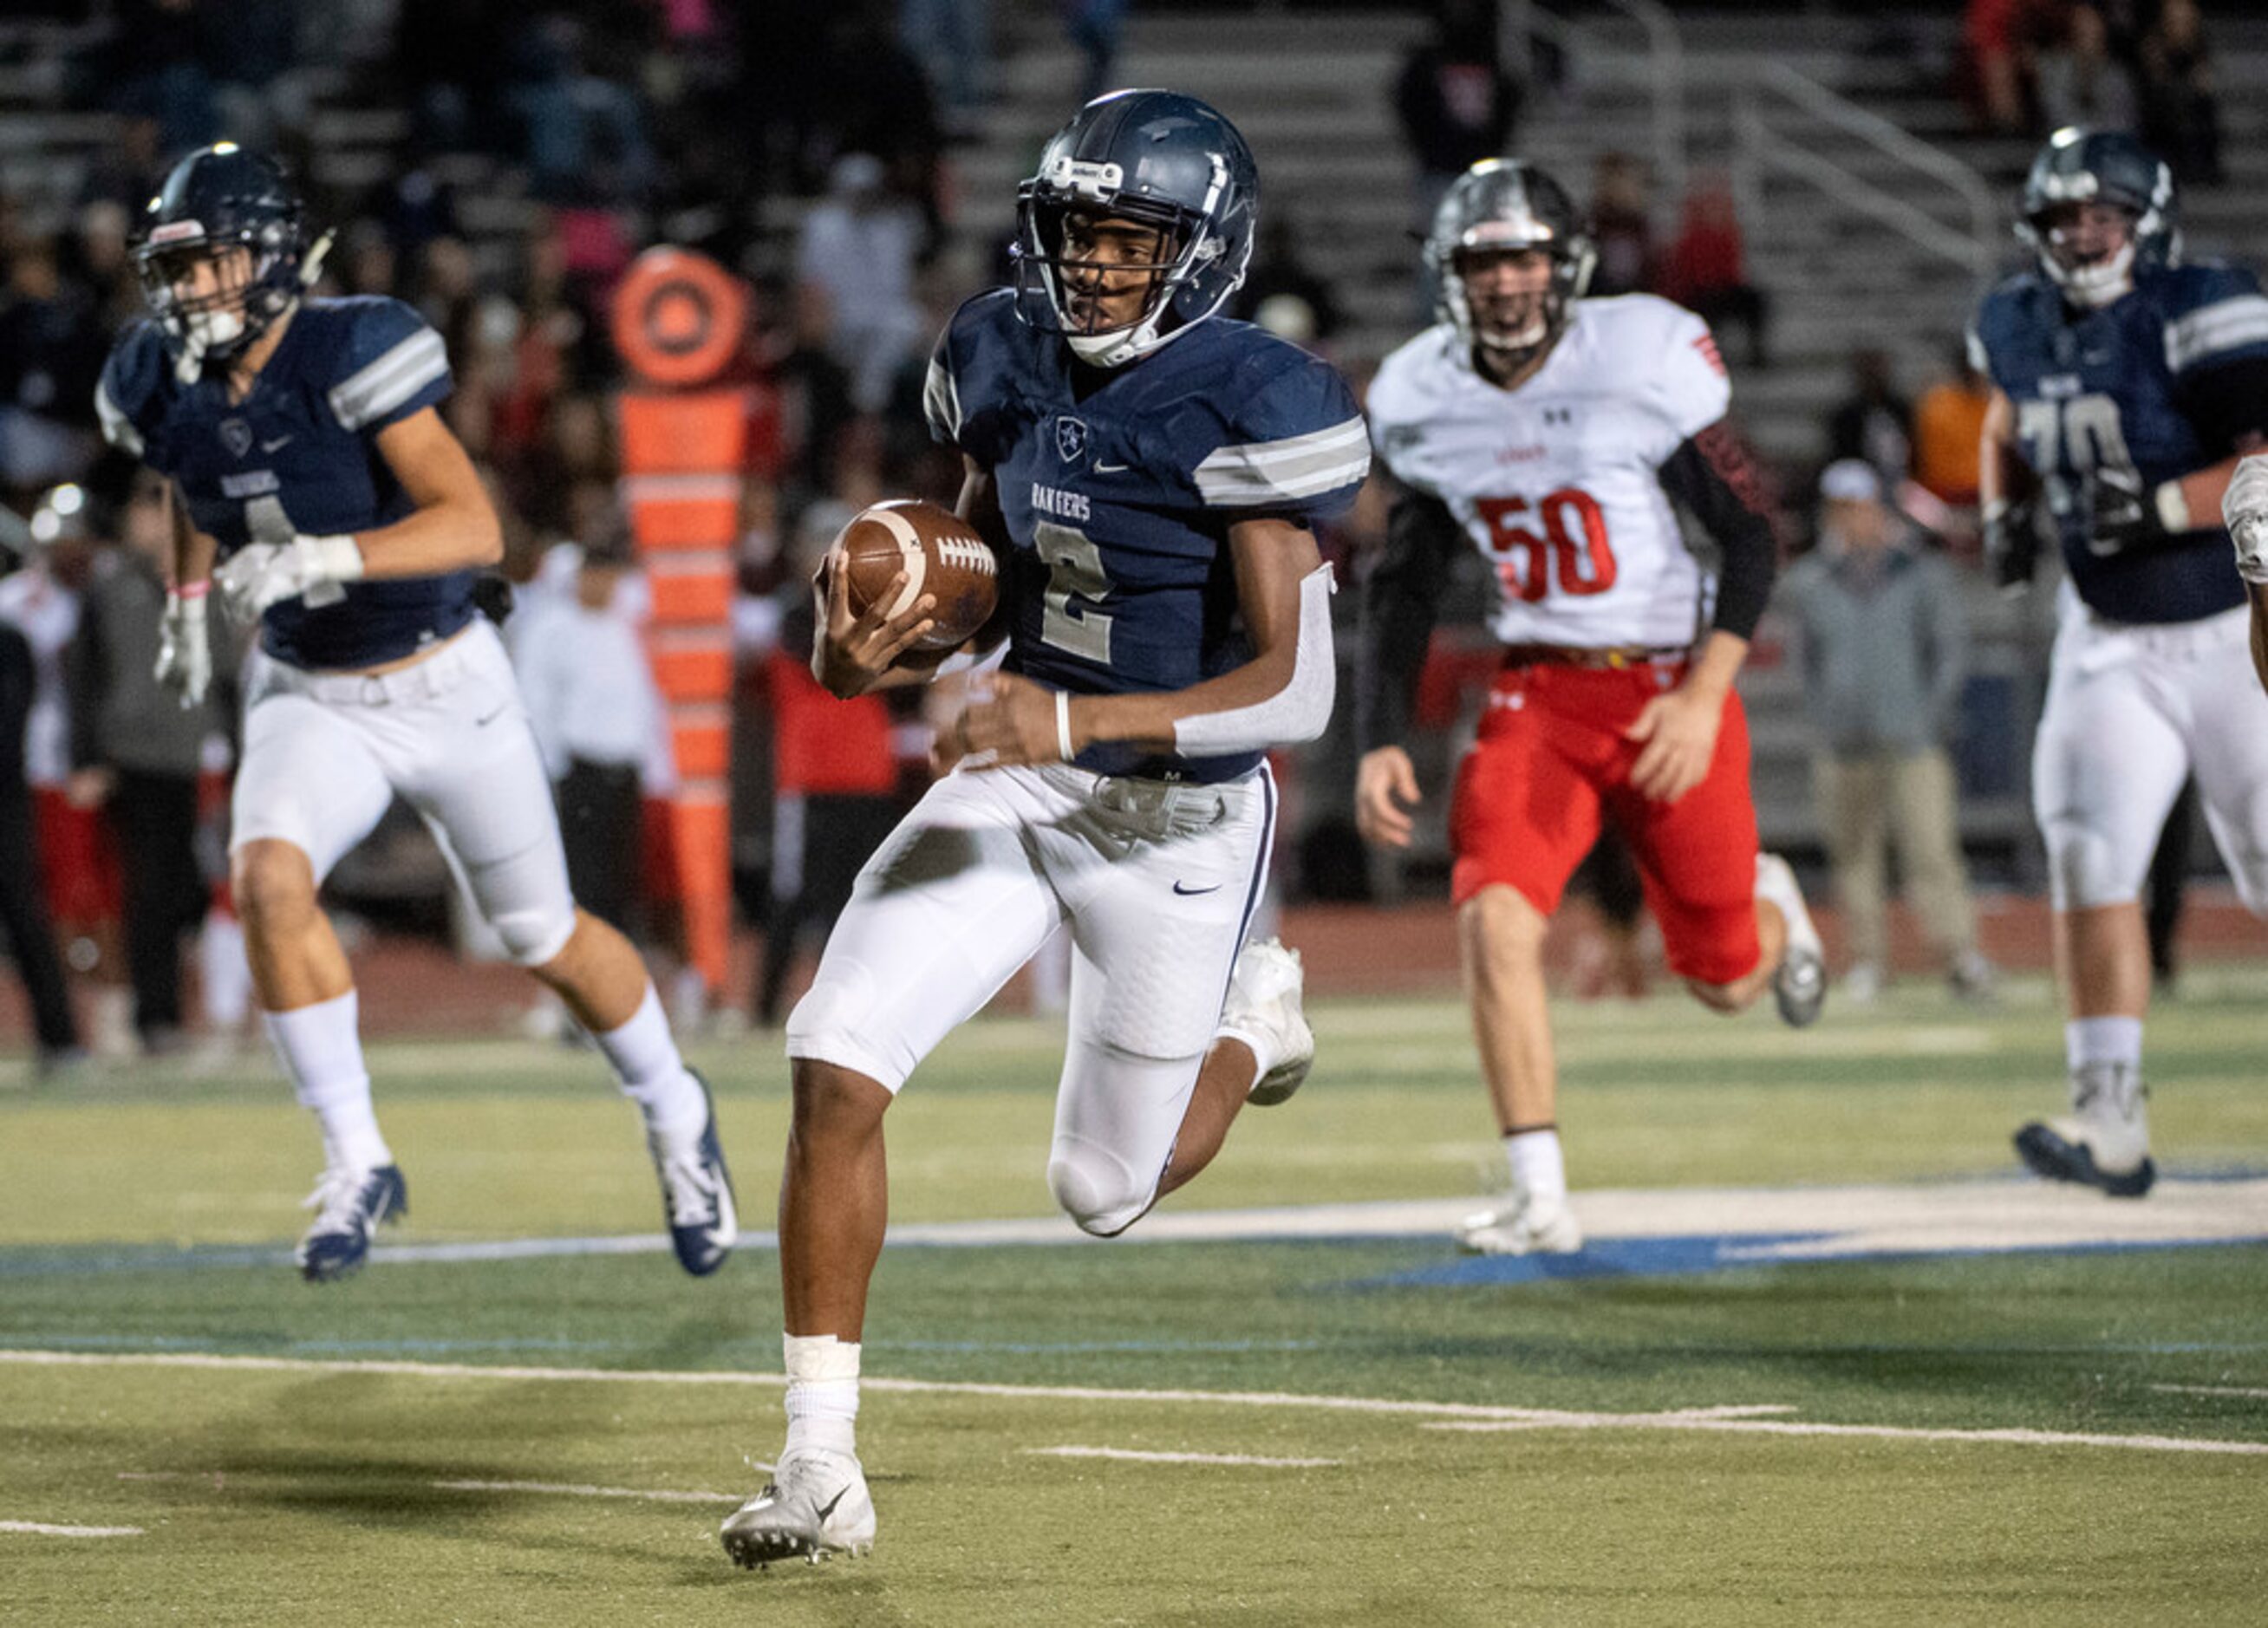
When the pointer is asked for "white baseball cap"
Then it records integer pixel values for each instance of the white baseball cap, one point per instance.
(1850, 479)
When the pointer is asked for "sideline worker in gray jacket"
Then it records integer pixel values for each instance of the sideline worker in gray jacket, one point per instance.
(1885, 643)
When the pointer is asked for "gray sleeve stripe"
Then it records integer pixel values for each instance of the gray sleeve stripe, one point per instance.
(385, 384)
(1291, 449)
(117, 428)
(1245, 487)
(941, 401)
(2223, 326)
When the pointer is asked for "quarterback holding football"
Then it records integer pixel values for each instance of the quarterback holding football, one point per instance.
(1148, 471)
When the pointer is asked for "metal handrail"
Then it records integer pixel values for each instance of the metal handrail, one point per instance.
(1665, 62)
(1978, 249)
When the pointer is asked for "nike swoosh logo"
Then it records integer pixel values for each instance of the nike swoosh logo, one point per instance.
(278, 444)
(827, 1509)
(1191, 893)
(484, 722)
(1112, 468)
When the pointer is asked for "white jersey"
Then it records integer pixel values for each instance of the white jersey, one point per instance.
(1557, 482)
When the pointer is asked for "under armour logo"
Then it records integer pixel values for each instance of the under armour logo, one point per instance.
(1071, 440)
(236, 435)
(1558, 416)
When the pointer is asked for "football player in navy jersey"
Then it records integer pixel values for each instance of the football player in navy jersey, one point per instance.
(1149, 472)
(2126, 383)
(312, 480)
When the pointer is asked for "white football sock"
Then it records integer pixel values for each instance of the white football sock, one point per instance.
(2105, 1054)
(322, 1053)
(1537, 1168)
(822, 1393)
(654, 1075)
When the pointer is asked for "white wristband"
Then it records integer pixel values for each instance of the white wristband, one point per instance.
(1063, 725)
(2173, 509)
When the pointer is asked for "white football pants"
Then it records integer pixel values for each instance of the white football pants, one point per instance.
(2133, 709)
(1158, 883)
(325, 754)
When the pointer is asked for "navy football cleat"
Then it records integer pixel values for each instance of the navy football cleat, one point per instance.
(697, 1196)
(2065, 1150)
(349, 1204)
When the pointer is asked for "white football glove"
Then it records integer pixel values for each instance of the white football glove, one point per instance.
(2244, 509)
(185, 648)
(267, 573)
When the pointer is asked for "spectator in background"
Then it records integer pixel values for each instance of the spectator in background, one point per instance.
(1283, 292)
(23, 894)
(1995, 69)
(860, 247)
(1622, 226)
(135, 752)
(1093, 27)
(1872, 424)
(834, 774)
(953, 41)
(1947, 423)
(590, 694)
(51, 350)
(1457, 104)
(2180, 117)
(1885, 643)
(1706, 272)
(583, 135)
(2081, 82)
(79, 864)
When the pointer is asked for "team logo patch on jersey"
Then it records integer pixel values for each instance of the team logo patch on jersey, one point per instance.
(1071, 440)
(236, 435)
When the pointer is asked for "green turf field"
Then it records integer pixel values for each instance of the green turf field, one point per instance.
(1319, 1428)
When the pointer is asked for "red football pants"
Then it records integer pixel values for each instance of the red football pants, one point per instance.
(1551, 761)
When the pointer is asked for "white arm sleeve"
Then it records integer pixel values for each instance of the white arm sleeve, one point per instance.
(1296, 712)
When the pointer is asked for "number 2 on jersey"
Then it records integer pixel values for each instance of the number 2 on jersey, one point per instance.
(1076, 585)
(1581, 564)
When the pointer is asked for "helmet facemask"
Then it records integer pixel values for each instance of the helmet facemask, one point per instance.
(255, 276)
(1511, 330)
(1074, 207)
(2069, 239)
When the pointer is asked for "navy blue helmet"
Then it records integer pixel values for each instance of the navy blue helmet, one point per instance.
(221, 198)
(2100, 166)
(1159, 160)
(1503, 204)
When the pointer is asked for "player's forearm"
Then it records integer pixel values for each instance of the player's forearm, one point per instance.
(1713, 670)
(2257, 593)
(193, 552)
(1152, 720)
(434, 541)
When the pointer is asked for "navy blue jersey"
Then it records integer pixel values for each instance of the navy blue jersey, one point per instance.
(300, 453)
(1119, 488)
(2114, 388)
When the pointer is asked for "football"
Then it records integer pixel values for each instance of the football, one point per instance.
(941, 553)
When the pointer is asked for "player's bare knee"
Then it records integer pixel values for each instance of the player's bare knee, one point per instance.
(834, 1102)
(1502, 934)
(1729, 1000)
(1093, 1187)
(273, 885)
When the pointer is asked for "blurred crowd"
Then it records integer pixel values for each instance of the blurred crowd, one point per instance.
(517, 159)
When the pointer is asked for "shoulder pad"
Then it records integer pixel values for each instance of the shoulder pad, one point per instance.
(1294, 438)
(134, 380)
(388, 363)
(2214, 313)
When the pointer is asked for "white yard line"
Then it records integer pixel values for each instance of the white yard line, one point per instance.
(1238, 1460)
(41, 1529)
(571, 1488)
(2260, 1391)
(1734, 1417)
